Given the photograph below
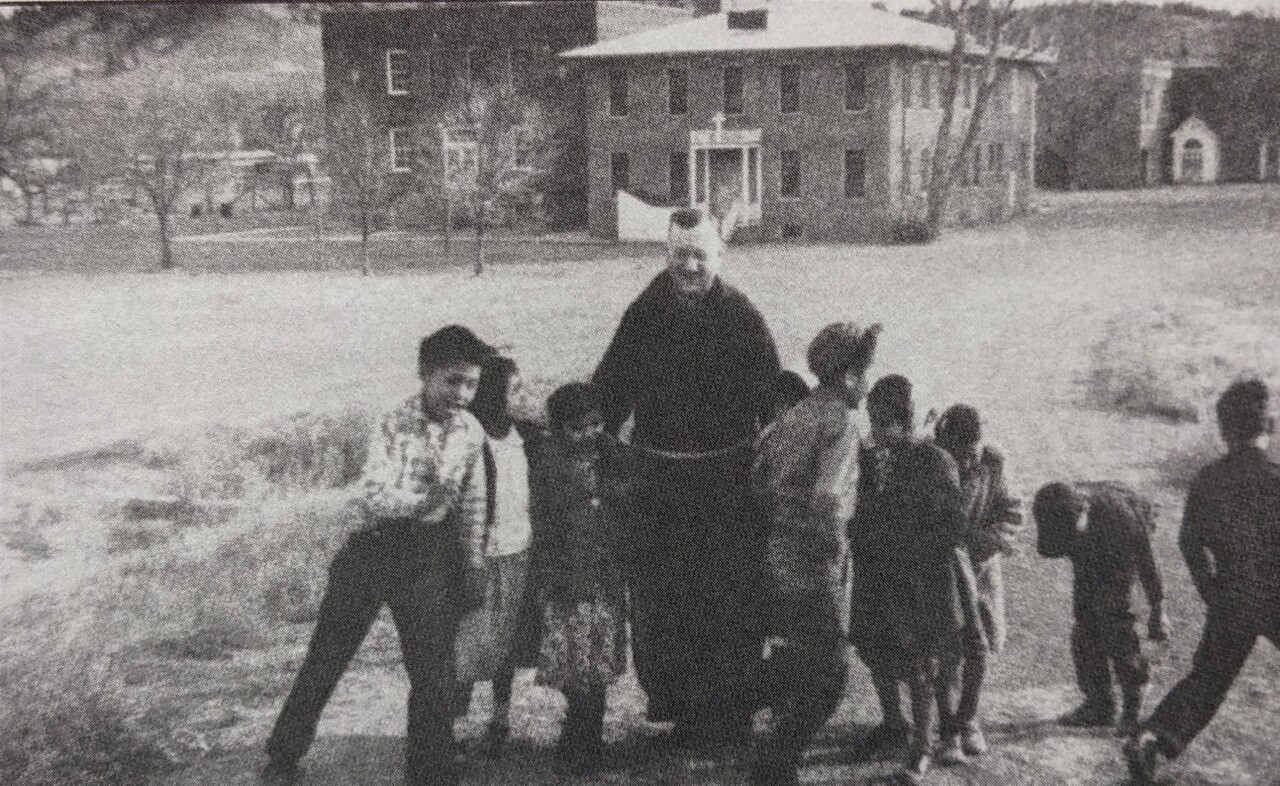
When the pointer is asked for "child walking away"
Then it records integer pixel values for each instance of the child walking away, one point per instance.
(581, 520)
(1230, 539)
(496, 638)
(1105, 529)
(994, 523)
(908, 607)
(805, 479)
(418, 550)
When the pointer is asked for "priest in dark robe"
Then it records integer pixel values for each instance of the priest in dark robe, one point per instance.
(694, 362)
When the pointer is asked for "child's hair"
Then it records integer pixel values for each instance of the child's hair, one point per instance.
(958, 428)
(490, 405)
(1242, 410)
(839, 347)
(789, 389)
(572, 401)
(1057, 502)
(890, 401)
(450, 346)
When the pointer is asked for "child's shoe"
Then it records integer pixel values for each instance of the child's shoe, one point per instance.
(952, 754)
(1089, 716)
(1142, 754)
(973, 742)
(913, 774)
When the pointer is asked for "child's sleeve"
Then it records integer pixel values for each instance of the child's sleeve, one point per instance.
(835, 485)
(1148, 570)
(382, 478)
(1193, 540)
(473, 508)
(1006, 515)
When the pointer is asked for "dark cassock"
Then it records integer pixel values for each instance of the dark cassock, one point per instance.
(697, 374)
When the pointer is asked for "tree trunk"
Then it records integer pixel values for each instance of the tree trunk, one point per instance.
(319, 236)
(166, 245)
(364, 247)
(30, 200)
(479, 271)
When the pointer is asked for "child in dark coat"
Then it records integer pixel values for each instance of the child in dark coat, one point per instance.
(580, 508)
(1105, 529)
(1230, 539)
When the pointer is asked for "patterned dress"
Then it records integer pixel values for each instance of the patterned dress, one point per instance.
(580, 509)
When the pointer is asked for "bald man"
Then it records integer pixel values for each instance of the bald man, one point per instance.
(694, 362)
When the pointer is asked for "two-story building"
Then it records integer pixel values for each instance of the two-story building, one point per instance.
(411, 62)
(816, 118)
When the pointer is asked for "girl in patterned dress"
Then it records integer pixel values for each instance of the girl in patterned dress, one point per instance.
(580, 512)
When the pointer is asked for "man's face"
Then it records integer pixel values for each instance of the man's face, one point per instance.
(448, 389)
(583, 431)
(693, 257)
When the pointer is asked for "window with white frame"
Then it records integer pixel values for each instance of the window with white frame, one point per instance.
(461, 157)
(397, 62)
(855, 87)
(400, 149)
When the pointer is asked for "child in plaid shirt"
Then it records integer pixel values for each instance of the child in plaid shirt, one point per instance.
(419, 551)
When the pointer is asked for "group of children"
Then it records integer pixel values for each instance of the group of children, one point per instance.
(890, 541)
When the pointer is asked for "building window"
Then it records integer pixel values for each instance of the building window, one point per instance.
(855, 87)
(732, 84)
(855, 173)
(789, 88)
(461, 156)
(789, 174)
(926, 169)
(908, 83)
(619, 172)
(677, 91)
(1193, 161)
(401, 154)
(678, 176)
(753, 175)
(926, 85)
(397, 72)
(619, 81)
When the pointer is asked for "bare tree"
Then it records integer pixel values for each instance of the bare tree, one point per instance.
(359, 157)
(32, 85)
(498, 147)
(989, 28)
(172, 146)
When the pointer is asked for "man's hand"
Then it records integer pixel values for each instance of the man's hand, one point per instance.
(1158, 626)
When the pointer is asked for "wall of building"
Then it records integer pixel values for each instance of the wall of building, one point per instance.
(521, 41)
(820, 132)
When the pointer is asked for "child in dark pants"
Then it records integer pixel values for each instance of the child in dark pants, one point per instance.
(1230, 539)
(580, 505)
(1105, 529)
(805, 478)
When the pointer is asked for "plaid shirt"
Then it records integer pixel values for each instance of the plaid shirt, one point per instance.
(426, 470)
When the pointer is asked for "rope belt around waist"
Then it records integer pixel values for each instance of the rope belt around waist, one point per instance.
(693, 455)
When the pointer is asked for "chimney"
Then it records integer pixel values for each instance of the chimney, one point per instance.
(704, 7)
(747, 15)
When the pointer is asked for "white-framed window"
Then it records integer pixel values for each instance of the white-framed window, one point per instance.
(461, 157)
(855, 87)
(401, 152)
(397, 62)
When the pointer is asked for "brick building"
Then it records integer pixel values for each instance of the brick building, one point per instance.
(816, 117)
(411, 61)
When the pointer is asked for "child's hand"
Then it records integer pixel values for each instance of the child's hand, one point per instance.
(775, 644)
(1158, 627)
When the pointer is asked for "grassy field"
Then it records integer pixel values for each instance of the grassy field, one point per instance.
(1071, 331)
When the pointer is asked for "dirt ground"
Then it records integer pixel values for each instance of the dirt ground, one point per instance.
(1002, 319)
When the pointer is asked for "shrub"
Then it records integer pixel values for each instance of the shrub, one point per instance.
(1171, 361)
(64, 718)
(911, 231)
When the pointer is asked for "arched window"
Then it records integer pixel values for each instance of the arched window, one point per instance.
(1192, 161)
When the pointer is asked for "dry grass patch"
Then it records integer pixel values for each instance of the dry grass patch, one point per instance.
(1173, 359)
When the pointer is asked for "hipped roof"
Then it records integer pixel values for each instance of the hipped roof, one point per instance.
(794, 25)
